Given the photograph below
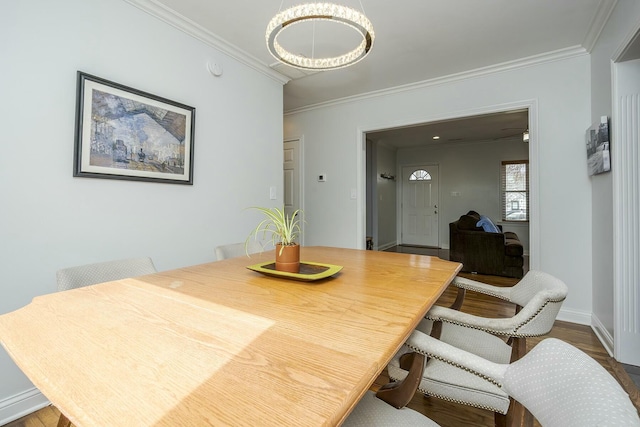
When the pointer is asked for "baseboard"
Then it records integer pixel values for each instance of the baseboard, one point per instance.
(574, 316)
(387, 246)
(21, 404)
(603, 335)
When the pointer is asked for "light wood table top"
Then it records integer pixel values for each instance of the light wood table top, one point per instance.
(218, 344)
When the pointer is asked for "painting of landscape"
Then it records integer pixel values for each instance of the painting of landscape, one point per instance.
(127, 134)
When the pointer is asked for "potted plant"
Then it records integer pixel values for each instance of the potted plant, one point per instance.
(281, 230)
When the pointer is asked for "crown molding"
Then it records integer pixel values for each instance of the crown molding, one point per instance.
(557, 55)
(600, 18)
(171, 17)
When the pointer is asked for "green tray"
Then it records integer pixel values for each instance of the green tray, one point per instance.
(309, 271)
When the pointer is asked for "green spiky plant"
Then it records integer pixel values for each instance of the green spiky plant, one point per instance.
(277, 227)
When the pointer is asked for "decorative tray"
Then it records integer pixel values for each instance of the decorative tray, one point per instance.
(309, 271)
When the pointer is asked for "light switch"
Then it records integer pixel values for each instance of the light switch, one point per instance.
(354, 194)
(272, 193)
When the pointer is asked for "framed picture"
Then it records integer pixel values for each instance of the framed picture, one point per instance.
(124, 133)
(598, 155)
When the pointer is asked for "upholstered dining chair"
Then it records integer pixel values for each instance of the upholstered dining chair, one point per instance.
(90, 274)
(559, 384)
(233, 250)
(499, 340)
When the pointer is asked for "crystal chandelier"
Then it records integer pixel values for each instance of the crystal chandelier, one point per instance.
(319, 12)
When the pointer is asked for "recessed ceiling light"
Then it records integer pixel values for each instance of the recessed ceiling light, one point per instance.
(436, 137)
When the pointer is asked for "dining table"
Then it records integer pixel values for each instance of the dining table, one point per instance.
(221, 344)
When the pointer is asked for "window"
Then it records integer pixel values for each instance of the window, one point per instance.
(515, 190)
(420, 175)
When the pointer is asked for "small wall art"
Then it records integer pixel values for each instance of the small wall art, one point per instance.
(124, 133)
(598, 155)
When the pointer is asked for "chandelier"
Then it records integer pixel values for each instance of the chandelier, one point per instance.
(314, 12)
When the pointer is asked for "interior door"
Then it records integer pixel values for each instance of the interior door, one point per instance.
(291, 171)
(420, 206)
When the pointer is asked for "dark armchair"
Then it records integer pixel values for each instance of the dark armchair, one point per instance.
(499, 254)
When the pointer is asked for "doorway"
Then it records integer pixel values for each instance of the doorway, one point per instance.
(465, 150)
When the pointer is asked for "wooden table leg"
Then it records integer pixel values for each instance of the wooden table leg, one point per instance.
(64, 421)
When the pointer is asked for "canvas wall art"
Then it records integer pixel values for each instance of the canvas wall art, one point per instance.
(124, 133)
(598, 155)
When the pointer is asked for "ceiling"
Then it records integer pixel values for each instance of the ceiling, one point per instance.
(488, 127)
(416, 40)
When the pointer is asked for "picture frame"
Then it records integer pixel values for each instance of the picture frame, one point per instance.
(127, 134)
(598, 141)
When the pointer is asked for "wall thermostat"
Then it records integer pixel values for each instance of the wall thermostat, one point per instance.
(322, 177)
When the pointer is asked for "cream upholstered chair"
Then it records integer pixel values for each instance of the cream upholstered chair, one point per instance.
(559, 384)
(233, 250)
(499, 340)
(90, 274)
(563, 387)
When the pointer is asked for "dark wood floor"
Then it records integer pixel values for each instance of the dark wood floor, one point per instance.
(444, 413)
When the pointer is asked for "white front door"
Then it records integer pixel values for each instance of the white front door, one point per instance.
(291, 169)
(420, 206)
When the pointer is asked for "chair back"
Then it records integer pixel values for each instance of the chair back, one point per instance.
(90, 274)
(541, 296)
(234, 250)
(562, 386)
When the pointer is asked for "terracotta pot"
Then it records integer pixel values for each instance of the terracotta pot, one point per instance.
(289, 259)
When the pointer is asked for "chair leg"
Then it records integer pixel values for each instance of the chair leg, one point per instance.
(528, 418)
(516, 416)
(518, 348)
(457, 304)
(399, 394)
(63, 421)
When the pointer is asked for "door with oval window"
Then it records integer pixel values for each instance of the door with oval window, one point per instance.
(420, 206)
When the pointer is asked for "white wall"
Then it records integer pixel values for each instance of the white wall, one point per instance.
(559, 89)
(622, 22)
(472, 170)
(50, 220)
